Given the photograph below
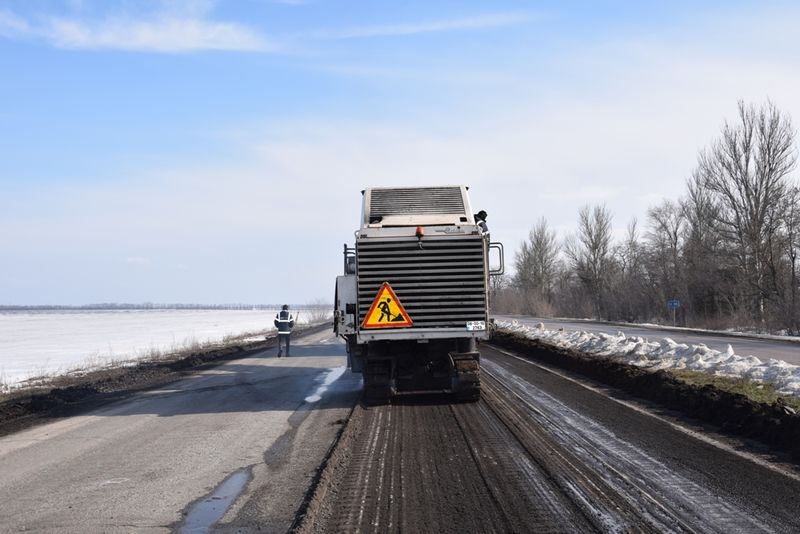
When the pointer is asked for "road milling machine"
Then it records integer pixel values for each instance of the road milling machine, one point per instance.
(413, 300)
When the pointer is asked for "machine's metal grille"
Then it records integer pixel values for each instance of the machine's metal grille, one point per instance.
(416, 201)
(441, 285)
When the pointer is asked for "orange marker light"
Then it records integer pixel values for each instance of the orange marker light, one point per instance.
(420, 231)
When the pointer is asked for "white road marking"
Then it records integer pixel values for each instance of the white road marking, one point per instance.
(332, 376)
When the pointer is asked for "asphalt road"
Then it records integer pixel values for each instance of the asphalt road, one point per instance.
(234, 449)
(234, 446)
(764, 349)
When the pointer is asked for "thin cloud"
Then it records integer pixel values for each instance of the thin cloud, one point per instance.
(162, 35)
(13, 26)
(490, 20)
(165, 33)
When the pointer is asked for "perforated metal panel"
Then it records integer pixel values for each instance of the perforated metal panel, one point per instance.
(416, 200)
(442, 285)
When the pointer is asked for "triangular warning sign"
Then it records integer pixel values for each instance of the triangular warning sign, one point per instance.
(386, 311)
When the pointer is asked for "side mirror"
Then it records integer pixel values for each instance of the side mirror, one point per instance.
(500, 269)
(350, 265)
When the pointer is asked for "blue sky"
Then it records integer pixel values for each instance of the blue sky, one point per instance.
(201, 151)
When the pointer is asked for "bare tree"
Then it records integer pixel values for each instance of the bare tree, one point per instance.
(537, 265)
(631, 299)
(664, 237)
(783, 260)
(710, 270)
(589, 253)
(498, 297)
(746, 172)
(793, 227)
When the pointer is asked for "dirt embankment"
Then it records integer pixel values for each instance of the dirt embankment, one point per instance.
(774, 424)
(71, 395)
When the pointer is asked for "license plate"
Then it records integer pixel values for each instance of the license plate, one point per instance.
(476, 325)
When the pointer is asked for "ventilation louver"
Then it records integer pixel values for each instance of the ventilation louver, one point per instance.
(442, 285)
(416, 201)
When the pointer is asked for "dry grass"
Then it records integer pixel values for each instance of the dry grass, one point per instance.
(318, 311)
(231, 338)
(756, 391)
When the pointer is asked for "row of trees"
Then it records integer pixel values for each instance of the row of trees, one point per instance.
(727, 249)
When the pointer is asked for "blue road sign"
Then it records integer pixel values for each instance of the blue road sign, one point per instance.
(673, 304)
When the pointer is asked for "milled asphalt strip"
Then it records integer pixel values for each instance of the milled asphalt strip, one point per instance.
(697, 435)
(642, 491)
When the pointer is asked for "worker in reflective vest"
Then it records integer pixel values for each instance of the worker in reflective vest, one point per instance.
(284, 322)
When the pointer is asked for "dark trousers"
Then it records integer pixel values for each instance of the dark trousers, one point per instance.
(283, 339)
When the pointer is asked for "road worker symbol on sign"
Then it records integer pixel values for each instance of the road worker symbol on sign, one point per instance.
(386, 311)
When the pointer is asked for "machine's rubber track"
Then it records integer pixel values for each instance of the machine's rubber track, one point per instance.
(468, 373)
(377, 382)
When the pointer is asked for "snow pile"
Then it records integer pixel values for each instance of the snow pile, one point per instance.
(666, 354)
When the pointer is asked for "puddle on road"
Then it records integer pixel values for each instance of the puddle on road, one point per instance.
(332, 376)
(207, 511)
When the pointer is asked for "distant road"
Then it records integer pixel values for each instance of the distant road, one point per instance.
(236, 446)
(763, 349)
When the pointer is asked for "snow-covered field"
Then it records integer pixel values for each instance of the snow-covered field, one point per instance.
(666, 354)
(40, 343)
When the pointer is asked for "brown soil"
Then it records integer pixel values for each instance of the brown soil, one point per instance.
(773, 424)
(71, 395)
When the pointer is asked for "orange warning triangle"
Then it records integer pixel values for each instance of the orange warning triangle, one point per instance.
(386, 311)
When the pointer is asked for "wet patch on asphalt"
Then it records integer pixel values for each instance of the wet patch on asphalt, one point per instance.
(205, 512)
(276, 454)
